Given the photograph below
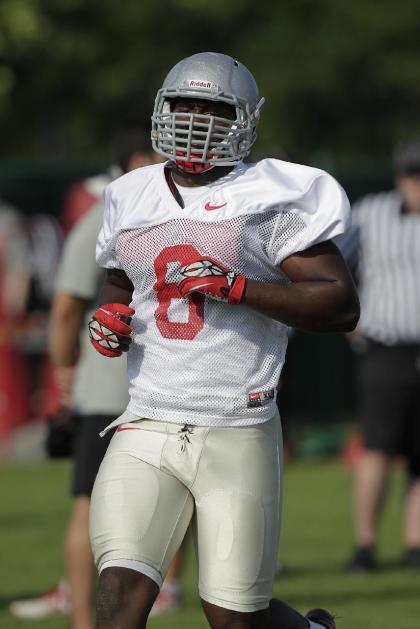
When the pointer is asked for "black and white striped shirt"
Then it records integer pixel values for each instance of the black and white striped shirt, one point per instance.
(384, 246)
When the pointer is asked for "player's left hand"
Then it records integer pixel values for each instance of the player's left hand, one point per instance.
(209, 277)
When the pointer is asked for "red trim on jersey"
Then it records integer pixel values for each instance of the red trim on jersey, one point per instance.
(121, 428)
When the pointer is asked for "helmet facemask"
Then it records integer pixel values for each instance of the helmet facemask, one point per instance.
(198, 142)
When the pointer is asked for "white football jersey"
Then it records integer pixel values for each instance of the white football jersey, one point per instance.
(195, 360)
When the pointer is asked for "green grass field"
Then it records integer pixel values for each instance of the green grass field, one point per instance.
(316, 540)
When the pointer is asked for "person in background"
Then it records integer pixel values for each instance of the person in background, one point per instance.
(83, 195)
(14, 284)
(14, 262)
(96, 391)
(45, 245)
(384, 246)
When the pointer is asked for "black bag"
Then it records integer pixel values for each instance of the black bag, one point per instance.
(59, 443)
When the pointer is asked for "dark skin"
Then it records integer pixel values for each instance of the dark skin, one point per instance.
(125, 598)
(320, 297)
(203, 107)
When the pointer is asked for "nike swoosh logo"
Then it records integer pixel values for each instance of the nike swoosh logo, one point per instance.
(213, 207)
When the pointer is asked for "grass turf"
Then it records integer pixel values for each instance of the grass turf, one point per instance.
(316, 542)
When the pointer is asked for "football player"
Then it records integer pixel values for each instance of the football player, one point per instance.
(208, 260)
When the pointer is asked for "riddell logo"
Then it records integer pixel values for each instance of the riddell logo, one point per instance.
(204, 84)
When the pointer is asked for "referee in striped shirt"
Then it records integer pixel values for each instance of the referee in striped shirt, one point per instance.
(384, 246)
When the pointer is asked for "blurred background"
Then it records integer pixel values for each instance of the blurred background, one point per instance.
(341, 82)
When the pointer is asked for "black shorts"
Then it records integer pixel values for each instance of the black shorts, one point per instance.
(89, 451)
(389, 400)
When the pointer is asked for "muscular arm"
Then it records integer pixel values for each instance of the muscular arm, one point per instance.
(320, 298)
(66, 317)
(117, 288)
(109, 327)
(64, 329)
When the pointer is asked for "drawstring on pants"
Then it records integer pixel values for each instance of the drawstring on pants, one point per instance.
(184, 435)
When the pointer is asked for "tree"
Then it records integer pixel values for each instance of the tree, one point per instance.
(340, 77)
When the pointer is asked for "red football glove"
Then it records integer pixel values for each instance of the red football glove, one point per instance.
(109, 329)
(212, 279)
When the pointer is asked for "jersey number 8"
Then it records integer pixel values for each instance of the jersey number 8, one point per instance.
(166, 291)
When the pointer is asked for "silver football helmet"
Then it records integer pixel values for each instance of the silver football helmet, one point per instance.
(199, 142)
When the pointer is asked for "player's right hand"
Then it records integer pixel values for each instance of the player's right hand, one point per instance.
(109, 329)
